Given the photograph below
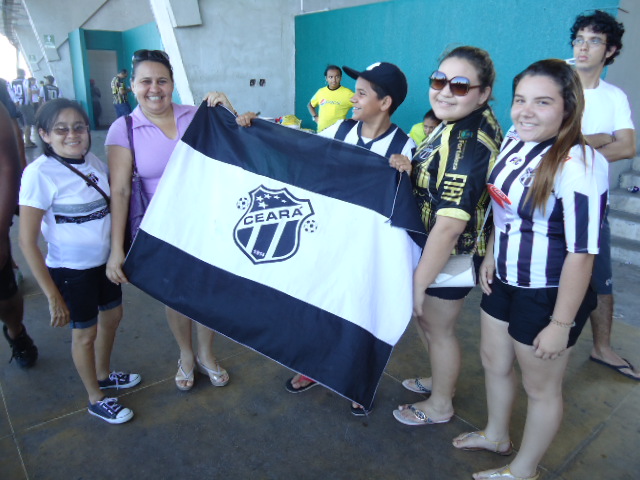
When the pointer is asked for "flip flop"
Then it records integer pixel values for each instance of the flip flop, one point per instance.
(418, 388)
(419, 417)
(480, 434)
(291, 389)
(617, 368)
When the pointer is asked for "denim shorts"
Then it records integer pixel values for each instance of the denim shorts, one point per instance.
(601, 278)
(86, 292)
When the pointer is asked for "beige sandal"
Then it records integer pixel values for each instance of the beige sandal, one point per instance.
(219, 377)
(481, 434)
(184, 380)
(503, 473)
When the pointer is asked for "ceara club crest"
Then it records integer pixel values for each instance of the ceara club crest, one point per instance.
(269, 231)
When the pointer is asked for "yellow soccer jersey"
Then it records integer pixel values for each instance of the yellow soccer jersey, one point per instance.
(334, 105)
(417, 133)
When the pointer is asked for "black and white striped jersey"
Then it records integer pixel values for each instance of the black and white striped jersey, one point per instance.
(531, 245)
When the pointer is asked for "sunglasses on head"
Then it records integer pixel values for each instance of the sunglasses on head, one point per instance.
(459, 86)
(157, 55)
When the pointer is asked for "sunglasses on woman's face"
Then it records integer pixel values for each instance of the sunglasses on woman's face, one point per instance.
(142, 55)
(64, 130)
(459, 86)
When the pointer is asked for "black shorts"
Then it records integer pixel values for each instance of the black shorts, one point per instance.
(527, 310)
(86, 292)
(8, 285)
(455, 293)
(602, 276)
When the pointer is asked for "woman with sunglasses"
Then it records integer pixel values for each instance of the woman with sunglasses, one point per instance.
(57, 195)
(157, 126)
(449, 174)
(549, 192)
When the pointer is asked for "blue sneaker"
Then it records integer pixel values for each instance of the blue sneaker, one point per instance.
(109, 410)
(120, 380)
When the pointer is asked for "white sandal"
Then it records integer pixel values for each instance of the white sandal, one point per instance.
(219, 377)
(187, 378)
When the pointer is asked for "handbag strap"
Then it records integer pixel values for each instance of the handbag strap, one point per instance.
(129, 121)
(83, 176)
(484, 222)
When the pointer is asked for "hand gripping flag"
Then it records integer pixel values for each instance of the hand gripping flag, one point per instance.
(294, 245)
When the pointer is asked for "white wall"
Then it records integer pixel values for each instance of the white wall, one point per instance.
(238, 41)
(117, 15)
(243, 40)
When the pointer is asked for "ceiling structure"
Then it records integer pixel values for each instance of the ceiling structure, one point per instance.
(12, 15)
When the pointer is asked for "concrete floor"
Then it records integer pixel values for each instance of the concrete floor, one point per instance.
(253, 428)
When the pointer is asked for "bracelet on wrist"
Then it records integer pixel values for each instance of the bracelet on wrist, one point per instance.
(561, 324)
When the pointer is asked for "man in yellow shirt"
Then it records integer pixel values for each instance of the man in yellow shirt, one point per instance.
(334, 100)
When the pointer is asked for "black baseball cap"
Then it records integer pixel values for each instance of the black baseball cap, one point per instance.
(387, 76)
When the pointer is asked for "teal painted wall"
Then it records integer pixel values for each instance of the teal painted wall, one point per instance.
(103, 40)
(79, 67)
(414, 33)
(143, 37)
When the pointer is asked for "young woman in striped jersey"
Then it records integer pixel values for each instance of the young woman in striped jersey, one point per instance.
(549, 191)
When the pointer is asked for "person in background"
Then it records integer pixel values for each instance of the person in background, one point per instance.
(597, 40)
(421, 131)
(33, 102)
(95, 102)
(548, 191)
(74, 217)
(21, 93)
(449, 173)
(157, 126)
(49, 91)
(333, 101)
(23, 350)
(34, 96)
(8, 100)
(119, 91)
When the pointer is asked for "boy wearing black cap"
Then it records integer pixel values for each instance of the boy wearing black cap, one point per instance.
(380, 90)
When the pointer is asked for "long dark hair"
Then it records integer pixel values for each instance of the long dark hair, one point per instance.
(48, 114)
(570, 132)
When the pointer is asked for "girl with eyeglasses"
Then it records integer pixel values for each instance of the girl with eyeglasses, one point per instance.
(157, 126)
(549, 192)
(449, 173)
(72, 209)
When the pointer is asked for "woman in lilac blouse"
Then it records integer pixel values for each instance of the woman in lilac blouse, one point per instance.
(158, 125)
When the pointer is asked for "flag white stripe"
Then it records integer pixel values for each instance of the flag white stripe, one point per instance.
(384, 302)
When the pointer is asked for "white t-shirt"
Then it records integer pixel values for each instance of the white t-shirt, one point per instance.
(606, 110)
(77, 222)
